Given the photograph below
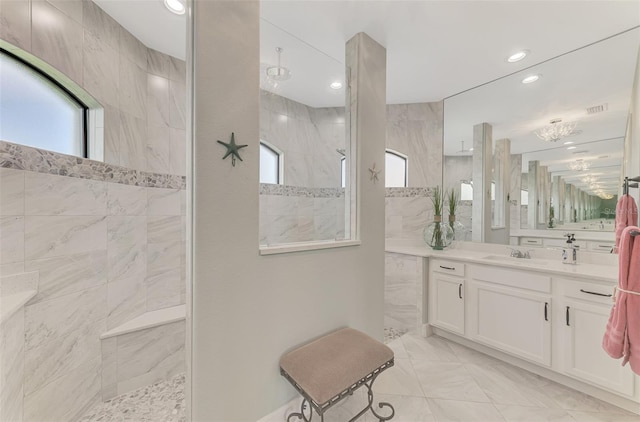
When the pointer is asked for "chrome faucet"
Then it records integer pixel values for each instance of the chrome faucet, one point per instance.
(517, 253)
(570, 252)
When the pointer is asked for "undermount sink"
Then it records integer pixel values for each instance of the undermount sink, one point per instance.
(511, 259)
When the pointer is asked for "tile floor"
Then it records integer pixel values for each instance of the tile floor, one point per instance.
(437, 380)
(433, 380)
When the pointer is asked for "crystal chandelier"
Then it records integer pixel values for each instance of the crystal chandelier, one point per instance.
(579, 165)
(555, 130)
(279, 73)
(603, 195)
(589, 179)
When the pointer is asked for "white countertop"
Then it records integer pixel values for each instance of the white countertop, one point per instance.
(601, 268)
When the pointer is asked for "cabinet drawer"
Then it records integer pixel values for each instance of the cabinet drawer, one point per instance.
(531, 241)
(597, 293)
(604, 247)
(512, 278)
(447, 267)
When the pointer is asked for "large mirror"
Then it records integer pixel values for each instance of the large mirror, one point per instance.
(564, 135)
(304, 148)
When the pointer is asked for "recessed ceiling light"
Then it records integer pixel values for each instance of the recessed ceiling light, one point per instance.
(516, 57)
(568, 143)
(175, 6)
(470, 149)
(530, 79)
(336, 85)
(572, 147)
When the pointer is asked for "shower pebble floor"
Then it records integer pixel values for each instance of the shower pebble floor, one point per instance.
(160, 402)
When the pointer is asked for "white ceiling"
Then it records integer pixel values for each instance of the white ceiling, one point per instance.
(436, 49)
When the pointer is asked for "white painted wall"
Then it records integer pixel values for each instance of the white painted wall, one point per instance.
(249, 309)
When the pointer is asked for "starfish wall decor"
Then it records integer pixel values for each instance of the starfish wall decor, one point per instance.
(374, 173)
(233, 150)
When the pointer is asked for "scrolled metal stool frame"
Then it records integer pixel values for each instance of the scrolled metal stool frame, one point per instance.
(321, 408)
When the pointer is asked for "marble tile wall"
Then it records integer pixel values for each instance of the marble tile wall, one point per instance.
(143, 91)
(308, 138)
(142, 358)
(105, 253)
(403, 292)
(12, 367)
(407, 213)
(416, 130)
(317, 214)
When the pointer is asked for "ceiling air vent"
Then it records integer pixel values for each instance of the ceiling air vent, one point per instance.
(598, 109)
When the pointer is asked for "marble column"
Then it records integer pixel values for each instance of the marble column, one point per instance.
(543, 197)
(482, 164)
(533, 178)
(515, 191)
(501, 172)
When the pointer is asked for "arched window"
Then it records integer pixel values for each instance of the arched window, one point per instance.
(37, 111)
(270, 164)
(395, 169)
(466, 190)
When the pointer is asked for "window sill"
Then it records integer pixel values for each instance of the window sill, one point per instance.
(307, 246)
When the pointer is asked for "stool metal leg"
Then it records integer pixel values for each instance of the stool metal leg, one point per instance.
(369, 405)
(301, 415)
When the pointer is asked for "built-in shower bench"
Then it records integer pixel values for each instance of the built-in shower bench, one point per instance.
(142, 351)
(148, 320)
(329, 369)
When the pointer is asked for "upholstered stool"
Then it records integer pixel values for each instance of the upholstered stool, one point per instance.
(332, 367)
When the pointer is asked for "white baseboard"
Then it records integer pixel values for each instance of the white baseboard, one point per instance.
(280, 414)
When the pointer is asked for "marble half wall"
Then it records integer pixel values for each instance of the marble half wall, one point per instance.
(404, 292)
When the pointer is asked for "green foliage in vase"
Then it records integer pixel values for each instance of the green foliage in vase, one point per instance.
(438, 201)
(452, 202)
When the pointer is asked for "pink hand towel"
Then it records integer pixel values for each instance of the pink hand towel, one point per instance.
(626, 215)
(622, 337)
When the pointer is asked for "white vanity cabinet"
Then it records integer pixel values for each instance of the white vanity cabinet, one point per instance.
(510, 310)
(585, 311)
(447, 295)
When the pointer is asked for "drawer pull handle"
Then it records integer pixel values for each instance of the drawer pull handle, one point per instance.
(460, 291)
(567, 317)
(595, 293)
(532, 241)
(546, 311)
(448, 268)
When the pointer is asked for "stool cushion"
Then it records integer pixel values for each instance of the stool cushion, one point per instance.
(329, 365)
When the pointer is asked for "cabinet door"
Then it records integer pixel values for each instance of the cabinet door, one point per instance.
(515, 321)
(447, 302)
(584, 327)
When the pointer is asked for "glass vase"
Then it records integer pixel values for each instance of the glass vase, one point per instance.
(459, 230)
(437, 234)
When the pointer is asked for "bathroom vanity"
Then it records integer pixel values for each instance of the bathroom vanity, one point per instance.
(539, 314)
